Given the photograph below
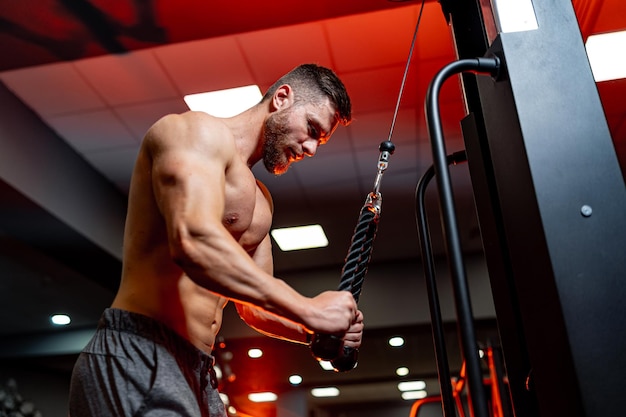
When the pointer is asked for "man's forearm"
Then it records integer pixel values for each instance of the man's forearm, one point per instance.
(273, 325)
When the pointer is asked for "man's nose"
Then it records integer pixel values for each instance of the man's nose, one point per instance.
(309, 147)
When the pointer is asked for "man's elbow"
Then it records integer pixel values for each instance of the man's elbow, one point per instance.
(182, 250)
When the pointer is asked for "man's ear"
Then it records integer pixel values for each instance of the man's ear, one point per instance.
(283, 97)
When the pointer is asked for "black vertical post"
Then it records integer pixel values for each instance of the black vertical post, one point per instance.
(494, 239)
(468, 27)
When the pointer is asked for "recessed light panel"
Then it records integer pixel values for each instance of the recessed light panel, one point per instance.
(300, 237)
(262, 397)
(60, 319)
(411, 385)
(325, 392)
(606, 56)
(225, 103)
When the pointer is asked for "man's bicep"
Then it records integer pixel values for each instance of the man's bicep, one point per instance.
(188, 187)
(188, 177)
(186, 153)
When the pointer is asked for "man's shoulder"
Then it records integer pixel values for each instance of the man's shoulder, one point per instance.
(191, 126)
(193, 120)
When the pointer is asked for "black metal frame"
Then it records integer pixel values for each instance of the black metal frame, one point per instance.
(462, 300)
(437, 326)
(550, 199)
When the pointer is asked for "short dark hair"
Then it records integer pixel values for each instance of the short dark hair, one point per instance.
(312, 78)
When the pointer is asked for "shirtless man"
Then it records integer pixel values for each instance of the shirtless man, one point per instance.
(197, 235)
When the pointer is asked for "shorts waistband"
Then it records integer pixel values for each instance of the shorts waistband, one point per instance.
(149, 328)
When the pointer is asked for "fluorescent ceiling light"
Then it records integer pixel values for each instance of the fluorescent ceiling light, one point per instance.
(301, 237)
(606, 56)
(402, 371)
(60, 319)
(396, 341)
(411, 385)
(515, 15)
(414, 395)
(225, 103)
(325, 392)
(262, 397)
(255, 353)
(295, 379)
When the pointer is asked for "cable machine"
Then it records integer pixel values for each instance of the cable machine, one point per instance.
(551, 204)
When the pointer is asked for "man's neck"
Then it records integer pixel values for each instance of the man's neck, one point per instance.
(247, 129)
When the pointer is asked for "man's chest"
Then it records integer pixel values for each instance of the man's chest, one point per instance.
(247, 210)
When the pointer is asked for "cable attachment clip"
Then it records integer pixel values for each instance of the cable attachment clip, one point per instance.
(374, 198)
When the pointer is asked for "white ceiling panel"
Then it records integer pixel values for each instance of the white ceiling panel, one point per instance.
(116, 165)
(52, 89)
(373, 128)
(78, 130)
(140, 117)
(134, 77)
(267, 49)
(370, 90)
(363, 41)
(326, 169)
(205, 65)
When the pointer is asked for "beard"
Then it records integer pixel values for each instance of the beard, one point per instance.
(275, 134)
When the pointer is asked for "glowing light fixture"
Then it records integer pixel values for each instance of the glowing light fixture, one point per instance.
(607, 63)
(301, 237)
(414, 395)
(326, 365)
(325, 392)
(515, 15)
(262, 397)
(255, 353)
(225, 103)
(295, 379)
(218, 372)
(411, 385)
(396, 341)
(402, 371)
(60, 319)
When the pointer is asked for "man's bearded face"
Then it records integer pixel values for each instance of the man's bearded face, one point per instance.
(276, 140)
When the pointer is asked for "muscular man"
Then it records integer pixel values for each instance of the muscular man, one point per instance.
(197, 235)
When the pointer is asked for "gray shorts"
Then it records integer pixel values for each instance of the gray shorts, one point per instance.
(135, 366)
